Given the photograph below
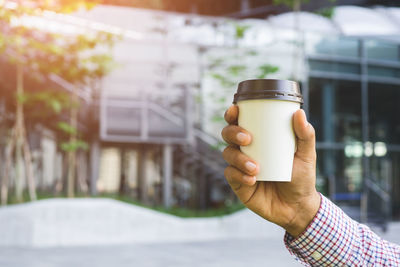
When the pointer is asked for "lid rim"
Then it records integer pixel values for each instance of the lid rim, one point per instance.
(268, 89)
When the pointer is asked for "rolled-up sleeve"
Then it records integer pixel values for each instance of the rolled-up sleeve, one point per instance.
(334, 239)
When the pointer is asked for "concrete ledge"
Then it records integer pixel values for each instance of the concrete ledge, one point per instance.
(82, 222)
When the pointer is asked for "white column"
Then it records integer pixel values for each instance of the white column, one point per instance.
(167, 175)
(94, 166)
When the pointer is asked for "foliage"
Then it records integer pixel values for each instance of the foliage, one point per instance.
(290, 3)
(67, 128)
(265, 70)
(229, 70)
(223, 80)
(240, 30)
(71, 57)
(149, 4)
(48, 100)
(74, 145)
(327, 12)
(78, 59)
(36, 7)
(37, 54)
(236, 70)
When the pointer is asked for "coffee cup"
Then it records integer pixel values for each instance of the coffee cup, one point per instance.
(266, 109)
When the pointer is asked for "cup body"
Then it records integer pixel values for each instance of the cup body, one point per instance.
(270, 122)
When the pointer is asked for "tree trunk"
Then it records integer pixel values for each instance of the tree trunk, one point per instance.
(19, 124)
(122, 183)
(22, 145)
(61, 183)
(18, 171)
(81, 166)
(7, 171)
(28, 167)
(73, 139)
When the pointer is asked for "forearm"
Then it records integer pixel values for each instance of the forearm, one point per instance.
(333, 239)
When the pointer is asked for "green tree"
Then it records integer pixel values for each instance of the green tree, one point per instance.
(37, 53)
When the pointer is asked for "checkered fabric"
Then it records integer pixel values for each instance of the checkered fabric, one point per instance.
(334, 239)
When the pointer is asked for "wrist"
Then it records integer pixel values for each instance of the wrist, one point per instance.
(305, 213)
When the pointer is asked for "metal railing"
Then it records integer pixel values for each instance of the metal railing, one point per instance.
(376, 204)
(145, 121)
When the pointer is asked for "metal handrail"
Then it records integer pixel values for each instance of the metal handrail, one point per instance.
(384, 206)
(384, 195)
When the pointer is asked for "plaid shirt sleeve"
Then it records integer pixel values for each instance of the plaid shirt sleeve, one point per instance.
(333, 239)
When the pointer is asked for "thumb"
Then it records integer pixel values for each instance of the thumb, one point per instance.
(305, 134)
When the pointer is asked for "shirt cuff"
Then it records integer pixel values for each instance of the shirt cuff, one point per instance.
(327, 240)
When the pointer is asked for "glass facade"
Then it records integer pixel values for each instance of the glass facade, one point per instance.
(353, 92)
(384, 111)
(335, 110)
(381, 50)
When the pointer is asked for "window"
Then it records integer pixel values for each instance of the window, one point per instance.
(340, 172)
(335, 110)
(384, 71)
(338, 46)
(382, 50)
(336, 67)
(384, 110)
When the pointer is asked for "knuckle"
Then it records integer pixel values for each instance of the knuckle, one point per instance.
(227, 153)
(312, 131)
(238, 159)
(228, 172)
(224, 132)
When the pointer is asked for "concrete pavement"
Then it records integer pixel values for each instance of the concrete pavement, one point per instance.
(103, 233)
(221, 253)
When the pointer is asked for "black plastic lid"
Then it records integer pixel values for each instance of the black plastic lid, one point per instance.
(268, 89)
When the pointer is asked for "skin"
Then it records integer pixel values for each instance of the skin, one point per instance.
(291, 205)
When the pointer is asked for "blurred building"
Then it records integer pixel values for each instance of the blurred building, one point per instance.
(348, 65)
(158, 129)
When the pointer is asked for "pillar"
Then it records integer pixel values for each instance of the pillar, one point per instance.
(94, 165)
(141, 173)
(328, 102)
(167, 175)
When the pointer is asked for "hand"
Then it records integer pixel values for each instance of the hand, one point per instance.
(291, 205)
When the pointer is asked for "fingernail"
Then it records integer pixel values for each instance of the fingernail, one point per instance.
(249, 179)
(241, 137)
(250, 166)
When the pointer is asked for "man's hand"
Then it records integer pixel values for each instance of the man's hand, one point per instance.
(291, 205)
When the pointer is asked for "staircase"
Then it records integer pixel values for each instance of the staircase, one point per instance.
(195, 163)
(203, 166)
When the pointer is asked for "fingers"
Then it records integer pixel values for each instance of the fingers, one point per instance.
(237, 179)
(242, 185)
(305, 134)
(231, 115)
(236, 135)
(240, 161)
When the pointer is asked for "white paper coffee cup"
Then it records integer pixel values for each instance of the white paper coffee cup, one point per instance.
(266, 109)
